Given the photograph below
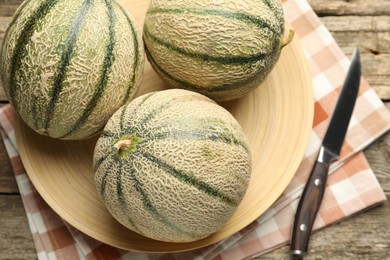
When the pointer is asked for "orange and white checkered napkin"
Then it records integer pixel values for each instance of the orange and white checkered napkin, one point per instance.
(351, 187)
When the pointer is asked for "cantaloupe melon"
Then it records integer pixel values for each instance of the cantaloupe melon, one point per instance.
(220, 48)
(172, 165)
(68, 65)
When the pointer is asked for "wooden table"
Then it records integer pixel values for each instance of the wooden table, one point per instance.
(365, 24)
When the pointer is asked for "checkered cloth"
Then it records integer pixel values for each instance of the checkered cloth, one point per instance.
(351, 188)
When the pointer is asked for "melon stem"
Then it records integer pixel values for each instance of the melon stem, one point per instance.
(127, 144)
(287, 39)
(123, 144)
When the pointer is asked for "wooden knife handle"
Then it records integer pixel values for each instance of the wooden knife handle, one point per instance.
(308, 207)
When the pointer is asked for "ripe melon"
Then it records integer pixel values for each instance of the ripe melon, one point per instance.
(172, 165)
(220, 48)
(68, 65)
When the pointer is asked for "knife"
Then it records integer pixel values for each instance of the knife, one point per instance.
(313, 193)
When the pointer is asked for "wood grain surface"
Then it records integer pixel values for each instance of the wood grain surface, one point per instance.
(365, 24)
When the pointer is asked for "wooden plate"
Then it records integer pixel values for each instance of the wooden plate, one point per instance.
(276, 117)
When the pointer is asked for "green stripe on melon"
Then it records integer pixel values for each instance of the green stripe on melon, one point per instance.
(222, 49)
(172, 165)
(64, 61)
(108, 61)
(68, 65)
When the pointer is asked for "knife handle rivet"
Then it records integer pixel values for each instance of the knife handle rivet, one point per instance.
(303, 227)
(317, 182)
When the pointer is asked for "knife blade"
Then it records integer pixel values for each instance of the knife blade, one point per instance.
(314, 190)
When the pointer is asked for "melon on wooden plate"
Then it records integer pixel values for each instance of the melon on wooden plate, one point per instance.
(172, 165)
(220, 48)
(68, 65)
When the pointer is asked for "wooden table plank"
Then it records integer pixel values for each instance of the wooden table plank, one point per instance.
(8, 7)
(7, 179)
(350, 7)
(15, 236)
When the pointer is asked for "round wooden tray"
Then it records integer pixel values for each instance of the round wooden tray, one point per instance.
(276, 117)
